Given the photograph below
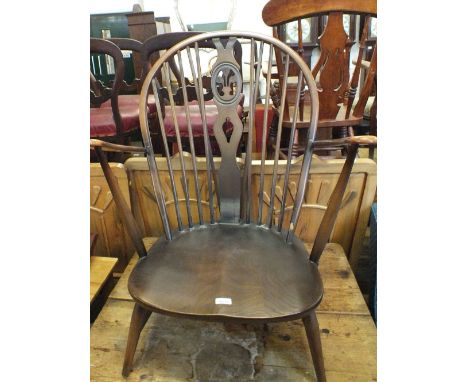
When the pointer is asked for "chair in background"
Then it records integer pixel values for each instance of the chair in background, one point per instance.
(129, 89)
(339, 110)
(129, 94)
(369, 122)
(229, 259)
(117, 122)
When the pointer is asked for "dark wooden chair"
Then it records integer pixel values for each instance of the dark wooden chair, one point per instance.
(340, 109)
(108, 119)
(128, 91)
(236, 262)
(151, 49)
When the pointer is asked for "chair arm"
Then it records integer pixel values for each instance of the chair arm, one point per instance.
(361, 140)
(107, 146)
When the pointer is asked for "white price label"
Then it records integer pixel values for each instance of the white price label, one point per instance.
(223, 301)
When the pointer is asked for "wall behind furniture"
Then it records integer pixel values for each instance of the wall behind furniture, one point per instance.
(247, 14)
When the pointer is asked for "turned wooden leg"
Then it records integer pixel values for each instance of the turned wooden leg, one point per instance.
(139, 318)
(315, 345)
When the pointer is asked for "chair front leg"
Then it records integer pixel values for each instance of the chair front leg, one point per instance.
(315, 345)
(140, 316)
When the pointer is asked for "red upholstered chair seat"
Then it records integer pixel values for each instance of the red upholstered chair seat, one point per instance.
(102, 122)
(133, 100)
(195, 119)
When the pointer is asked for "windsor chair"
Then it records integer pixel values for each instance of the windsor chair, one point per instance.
(340, 109)
(224, 257)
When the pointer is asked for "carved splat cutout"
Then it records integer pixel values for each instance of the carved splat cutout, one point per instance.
(227, 81)
(332, 68)
(227, 129)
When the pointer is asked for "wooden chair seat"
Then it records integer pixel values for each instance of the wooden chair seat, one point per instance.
(266, 278)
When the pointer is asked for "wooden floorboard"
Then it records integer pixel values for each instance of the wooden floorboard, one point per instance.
(174, 349)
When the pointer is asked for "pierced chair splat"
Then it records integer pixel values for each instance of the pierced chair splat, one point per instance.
(226, 255)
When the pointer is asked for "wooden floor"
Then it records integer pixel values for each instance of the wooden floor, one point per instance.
(174, 349)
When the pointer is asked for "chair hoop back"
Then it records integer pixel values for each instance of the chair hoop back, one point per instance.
(278, 12)
(98, 45)
(227, 191)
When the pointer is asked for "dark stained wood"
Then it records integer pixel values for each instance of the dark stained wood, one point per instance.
(333, 66)
(325, 228)
(141, 25)
(313, 337)
(266, 278)
(106, 47)
(355, 78)
(135, 47)
(108, 146)
(228, 270)
(139, 318)
(348, 337)
(373, 122)
(369, 84)
(100, 94)
(281, 11)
